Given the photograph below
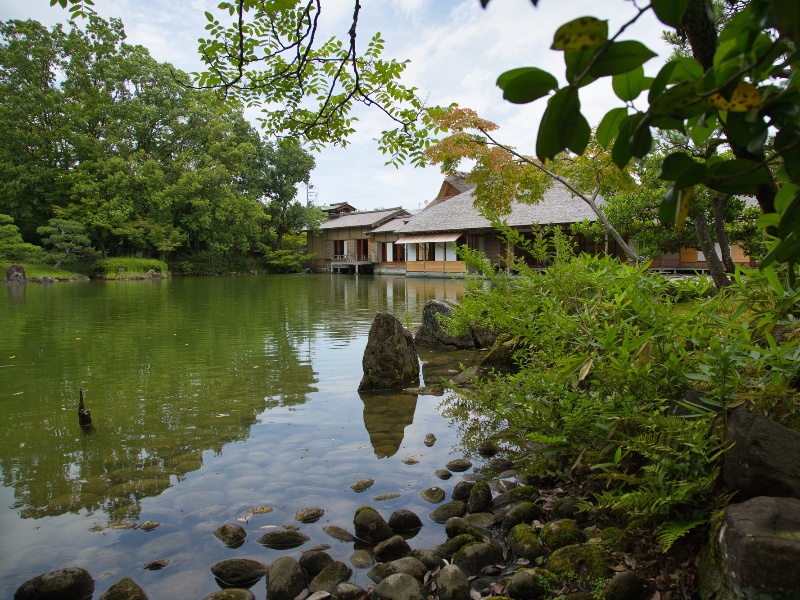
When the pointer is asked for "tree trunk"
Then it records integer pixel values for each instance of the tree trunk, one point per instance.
(715, 267)
(718, 202)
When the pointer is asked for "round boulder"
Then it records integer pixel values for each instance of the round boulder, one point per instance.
(72, 582)
(124, 589)
(231, 535)
(399, 586)
(370, 526)
(238, 572)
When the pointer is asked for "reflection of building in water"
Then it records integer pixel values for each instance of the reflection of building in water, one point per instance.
(386, 417)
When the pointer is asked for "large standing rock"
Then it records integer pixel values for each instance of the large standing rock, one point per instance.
(71, 582)
(390, 358)
(753, 552)
(16, 274)
(764, 459)
(431, 332)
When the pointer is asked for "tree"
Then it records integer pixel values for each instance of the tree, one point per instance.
(94, 130)
(739, 80)
(282, 166)
(12, 246)
(66, 237)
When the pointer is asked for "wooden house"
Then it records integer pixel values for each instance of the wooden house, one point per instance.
(344, 242)
(451, 219)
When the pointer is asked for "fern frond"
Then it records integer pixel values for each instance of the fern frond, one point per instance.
(672, 531)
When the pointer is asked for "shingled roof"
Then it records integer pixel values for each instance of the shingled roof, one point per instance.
(458, 213)
(371, 218)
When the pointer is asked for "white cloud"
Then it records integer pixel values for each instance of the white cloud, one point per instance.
(457, 51)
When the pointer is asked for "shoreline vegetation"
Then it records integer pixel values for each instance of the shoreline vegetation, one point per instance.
(621, 387)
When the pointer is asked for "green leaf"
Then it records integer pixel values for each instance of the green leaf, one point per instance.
(679, 101)
(738, 176)
(641, 139)
(609, 126)
(786, 193)
(668, 208)
(526, 84)
(682, 169)
(628, 86)
(581, 33)
(661, 80)
(621, 57)
(581, 136)
(623, 149)
(686, 69)
(768, 220)
(559, 122)
(790, 219)
(670, 12)
(787, 142)
(577, 62)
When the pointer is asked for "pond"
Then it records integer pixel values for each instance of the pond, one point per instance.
(209, 397)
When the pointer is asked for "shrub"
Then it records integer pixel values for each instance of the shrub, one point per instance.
(126, 267)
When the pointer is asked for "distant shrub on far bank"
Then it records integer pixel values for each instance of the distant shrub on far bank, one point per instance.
(127, 267)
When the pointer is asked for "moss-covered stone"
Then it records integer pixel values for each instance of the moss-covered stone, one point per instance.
(524, 512)
(579, 562)
(524, 542)
(452, 546)
(614, 539)
(532, 584)
(560, 533)
(523, 493)
(480, 498)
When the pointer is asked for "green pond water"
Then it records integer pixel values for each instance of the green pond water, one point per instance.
(209, 397)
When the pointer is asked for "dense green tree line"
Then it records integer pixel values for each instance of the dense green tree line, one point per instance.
(95, 132)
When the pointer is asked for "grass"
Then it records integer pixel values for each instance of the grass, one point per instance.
(128, 268)
(37, 271)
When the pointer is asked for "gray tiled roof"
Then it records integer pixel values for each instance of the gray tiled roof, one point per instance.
(391, 225)
(459, 181)
(458, 213)
(361, 219)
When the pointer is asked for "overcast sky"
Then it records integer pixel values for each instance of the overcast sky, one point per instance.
(456, 48)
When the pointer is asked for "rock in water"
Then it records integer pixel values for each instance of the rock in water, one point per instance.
(390, 359)
(71, 582)
(431, 332)
(84, 416)
(16, 274)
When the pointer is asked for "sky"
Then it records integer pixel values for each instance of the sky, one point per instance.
(456, 48)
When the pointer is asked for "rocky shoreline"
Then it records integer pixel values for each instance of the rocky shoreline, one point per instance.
(504, 535)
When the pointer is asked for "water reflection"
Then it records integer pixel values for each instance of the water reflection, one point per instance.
(386, 416)
(172, 370)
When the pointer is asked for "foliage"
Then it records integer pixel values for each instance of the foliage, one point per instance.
(285, 261)
(119, 143)
(282, 166)
(211, 263)
(617, 378)
(66, 237)
(738, 83)
(13, 248)
(503, 175)
(126, 267)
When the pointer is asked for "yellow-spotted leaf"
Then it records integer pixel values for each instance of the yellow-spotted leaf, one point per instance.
(744, 97)
(682, 211)
(580, 34)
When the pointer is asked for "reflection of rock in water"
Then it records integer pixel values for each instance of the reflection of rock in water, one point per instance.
(386, 417)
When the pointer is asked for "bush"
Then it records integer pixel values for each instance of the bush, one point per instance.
(285, 261)
(206, 263)
(127, 267)
(605, 357)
